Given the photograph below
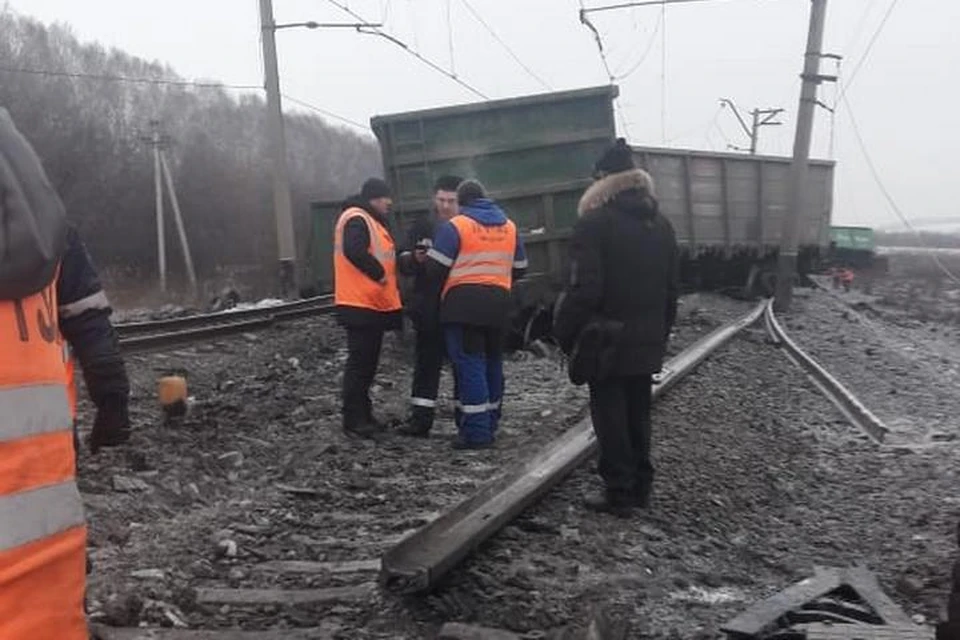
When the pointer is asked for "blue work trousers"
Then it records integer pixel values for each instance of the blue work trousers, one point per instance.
(477, 357)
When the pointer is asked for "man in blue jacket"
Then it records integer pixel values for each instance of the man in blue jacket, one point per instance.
(474, 260)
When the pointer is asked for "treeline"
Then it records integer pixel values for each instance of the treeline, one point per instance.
(90, 135)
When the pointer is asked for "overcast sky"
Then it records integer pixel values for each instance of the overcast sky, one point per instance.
(904, 96)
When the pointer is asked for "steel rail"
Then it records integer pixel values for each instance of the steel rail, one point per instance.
(833, 389)
(418, 562)
(219, 325)
(206, 319)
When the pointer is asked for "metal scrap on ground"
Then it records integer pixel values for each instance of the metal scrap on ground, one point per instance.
(847, 599)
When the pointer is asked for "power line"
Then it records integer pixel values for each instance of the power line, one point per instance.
(453, 64)
(503, 44)
(866, 53)
(406, 47)
(51, 73)
(861, 23)
(663, 72)
(323, 111)
(643, 57)
(129, 79)
(886, 193)
(606, 65)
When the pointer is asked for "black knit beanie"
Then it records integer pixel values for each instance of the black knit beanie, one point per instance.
(374, 188)
(616, 159)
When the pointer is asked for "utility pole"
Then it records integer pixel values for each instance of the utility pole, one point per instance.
(286, 246)
(187, 258)
(155, 141)
(761, 118)
(161, 172)
(787, 261)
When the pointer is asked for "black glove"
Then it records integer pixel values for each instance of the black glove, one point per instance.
(112, 425)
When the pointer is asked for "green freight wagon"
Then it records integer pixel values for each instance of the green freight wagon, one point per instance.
(536, 154)
(852, 238)
(855, 247)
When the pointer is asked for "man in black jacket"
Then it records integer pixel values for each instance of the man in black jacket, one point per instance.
(623, 274)
(366, 296)
(84, 317)
(429, 345)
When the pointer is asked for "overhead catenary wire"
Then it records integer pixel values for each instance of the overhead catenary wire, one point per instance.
(886, 193)
(643, 57)
(606, 64)
(322, 111)
(506, 47)
(450, 44)
(663, 71)
(866, 52)
(413, 52)
(100, 77)
(128, 79)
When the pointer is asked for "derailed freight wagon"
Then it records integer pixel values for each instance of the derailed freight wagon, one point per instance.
(536, 154)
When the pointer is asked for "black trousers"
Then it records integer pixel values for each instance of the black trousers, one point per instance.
(430, 352)
(620, 410)
(363, 355)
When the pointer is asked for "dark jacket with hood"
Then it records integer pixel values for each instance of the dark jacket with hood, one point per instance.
(623, 268)
(356, 247)
(421, 234)
(470, 304)
(35, 241)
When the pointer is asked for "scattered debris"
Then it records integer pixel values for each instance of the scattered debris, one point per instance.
(231, 459)
(301, 566)
(847, 596)
(128, 484)
(285, 596)
(148, 574)
(458, 631)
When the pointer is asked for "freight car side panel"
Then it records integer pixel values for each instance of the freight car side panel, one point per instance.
(719, 201)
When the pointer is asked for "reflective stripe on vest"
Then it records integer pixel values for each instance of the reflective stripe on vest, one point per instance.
(42, 532)
(34, 515)
(354, 288)
(33, 410)
(485, 256)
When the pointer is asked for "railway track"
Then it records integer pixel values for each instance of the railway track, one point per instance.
(413, 559)
(138, 337)
(329, 573)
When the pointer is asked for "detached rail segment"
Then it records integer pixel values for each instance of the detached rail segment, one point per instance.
(139, 337)
(833, 389)
(419, 561)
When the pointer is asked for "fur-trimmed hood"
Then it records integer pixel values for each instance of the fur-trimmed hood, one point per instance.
(603, 191)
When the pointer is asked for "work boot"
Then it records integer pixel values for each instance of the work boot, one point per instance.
(415, 429)
(467, 445)
(606, 502)
(364, 429)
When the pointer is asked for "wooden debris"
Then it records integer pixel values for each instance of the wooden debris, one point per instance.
(865, 583)
(300, 491)
(285, 596)
(127, 484)
(101, 632)
(822, 631)
(458, 631)
(759, 616)
(301, 566)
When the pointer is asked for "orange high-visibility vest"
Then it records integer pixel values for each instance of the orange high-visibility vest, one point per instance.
(42, 532)
(352, 287)
(485, 256)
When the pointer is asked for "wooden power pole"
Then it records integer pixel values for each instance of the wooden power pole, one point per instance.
(787, 261)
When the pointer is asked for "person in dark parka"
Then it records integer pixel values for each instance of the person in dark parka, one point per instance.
(623, 279)
(429, 345)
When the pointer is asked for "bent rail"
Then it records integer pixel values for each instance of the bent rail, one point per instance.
(848, 404)
(418, 562)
